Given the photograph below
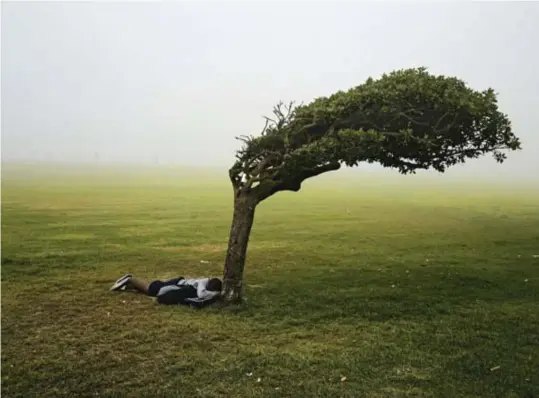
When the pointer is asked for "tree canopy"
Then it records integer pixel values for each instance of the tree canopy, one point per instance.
(408, 119)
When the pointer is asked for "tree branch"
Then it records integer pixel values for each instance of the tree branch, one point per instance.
(293, 182)
(255, 175)
(232, 174)
(308, 173)
(268, 121)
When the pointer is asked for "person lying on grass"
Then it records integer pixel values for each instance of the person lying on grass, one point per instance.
(196, 292)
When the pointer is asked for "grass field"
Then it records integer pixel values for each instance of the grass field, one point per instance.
(357, 286)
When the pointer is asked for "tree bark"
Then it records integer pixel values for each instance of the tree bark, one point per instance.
(242, 221)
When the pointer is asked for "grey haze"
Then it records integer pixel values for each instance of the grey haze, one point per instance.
(176, 82)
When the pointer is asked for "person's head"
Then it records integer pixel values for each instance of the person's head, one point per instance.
(214, 285)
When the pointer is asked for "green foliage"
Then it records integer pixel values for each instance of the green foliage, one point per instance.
(408, 119)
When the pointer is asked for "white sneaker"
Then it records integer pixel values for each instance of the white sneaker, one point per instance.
(121, 283)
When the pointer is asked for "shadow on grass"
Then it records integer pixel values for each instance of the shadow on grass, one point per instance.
(348, 294)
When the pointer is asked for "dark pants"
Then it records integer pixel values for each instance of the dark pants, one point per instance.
(177, 295)
(155, 286)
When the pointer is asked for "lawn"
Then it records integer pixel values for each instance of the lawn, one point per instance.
(357, 286)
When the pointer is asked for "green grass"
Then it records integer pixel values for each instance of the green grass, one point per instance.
(405, 286)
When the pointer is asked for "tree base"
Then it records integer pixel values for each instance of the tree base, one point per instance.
(232, 292)
(230, 307)
(232, 298)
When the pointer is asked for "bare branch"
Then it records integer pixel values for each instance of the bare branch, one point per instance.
(442, 118)
(283, 114)
(246, 139)
(255, 174)
(277, 111)
(291, 183)
(412, 120)
(268, 121)
(234, 177)
(308, 173)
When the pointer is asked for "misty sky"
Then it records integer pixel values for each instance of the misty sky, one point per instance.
(136, 82)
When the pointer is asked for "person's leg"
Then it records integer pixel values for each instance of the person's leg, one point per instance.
(174, 281)
(139, 285)
(156, 286)
(151, 289)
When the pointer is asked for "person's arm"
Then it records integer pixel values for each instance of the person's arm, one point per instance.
(201, 303)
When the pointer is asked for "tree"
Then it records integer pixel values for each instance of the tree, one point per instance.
(408, 119)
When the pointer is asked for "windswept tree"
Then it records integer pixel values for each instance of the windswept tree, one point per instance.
(408, 120)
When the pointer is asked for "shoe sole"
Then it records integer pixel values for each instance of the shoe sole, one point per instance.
(120, 283)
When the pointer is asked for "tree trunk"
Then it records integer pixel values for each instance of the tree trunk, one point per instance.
(242, 221)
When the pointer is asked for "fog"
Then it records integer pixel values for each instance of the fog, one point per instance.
(174, 83)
